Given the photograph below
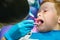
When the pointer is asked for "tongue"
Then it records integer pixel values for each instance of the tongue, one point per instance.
(40, 23)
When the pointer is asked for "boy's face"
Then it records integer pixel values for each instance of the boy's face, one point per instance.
(47, 17)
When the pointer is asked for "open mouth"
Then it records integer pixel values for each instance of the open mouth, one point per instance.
(41, 21)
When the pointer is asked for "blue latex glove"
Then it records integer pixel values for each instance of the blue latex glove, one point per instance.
(19, 30)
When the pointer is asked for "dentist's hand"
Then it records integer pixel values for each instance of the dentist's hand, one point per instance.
(19, 30)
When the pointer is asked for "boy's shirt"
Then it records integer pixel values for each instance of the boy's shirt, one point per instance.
(51, 35)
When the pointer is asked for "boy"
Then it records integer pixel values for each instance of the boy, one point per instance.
(11, 12)
(49, 22)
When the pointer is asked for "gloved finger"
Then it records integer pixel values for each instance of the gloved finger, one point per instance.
(27, 21)
(24, 32)
(26, 26)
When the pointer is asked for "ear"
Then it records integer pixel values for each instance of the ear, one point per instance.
(59, 19)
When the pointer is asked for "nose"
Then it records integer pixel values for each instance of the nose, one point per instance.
(40, 14)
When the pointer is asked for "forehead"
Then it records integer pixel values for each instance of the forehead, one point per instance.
(48, 5)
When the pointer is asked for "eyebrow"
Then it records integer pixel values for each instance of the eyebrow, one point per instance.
(46, 7)
(43, 8)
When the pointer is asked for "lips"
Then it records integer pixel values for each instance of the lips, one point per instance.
(39, 22)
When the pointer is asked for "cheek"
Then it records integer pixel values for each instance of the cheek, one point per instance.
(50, 18)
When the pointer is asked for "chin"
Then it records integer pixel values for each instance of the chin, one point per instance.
(44, 30)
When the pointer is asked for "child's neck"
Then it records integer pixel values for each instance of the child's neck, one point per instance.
(57, 27)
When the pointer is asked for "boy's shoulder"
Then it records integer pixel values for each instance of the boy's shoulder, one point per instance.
(52, 35)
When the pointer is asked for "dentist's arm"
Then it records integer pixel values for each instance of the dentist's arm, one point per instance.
(19, 30)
